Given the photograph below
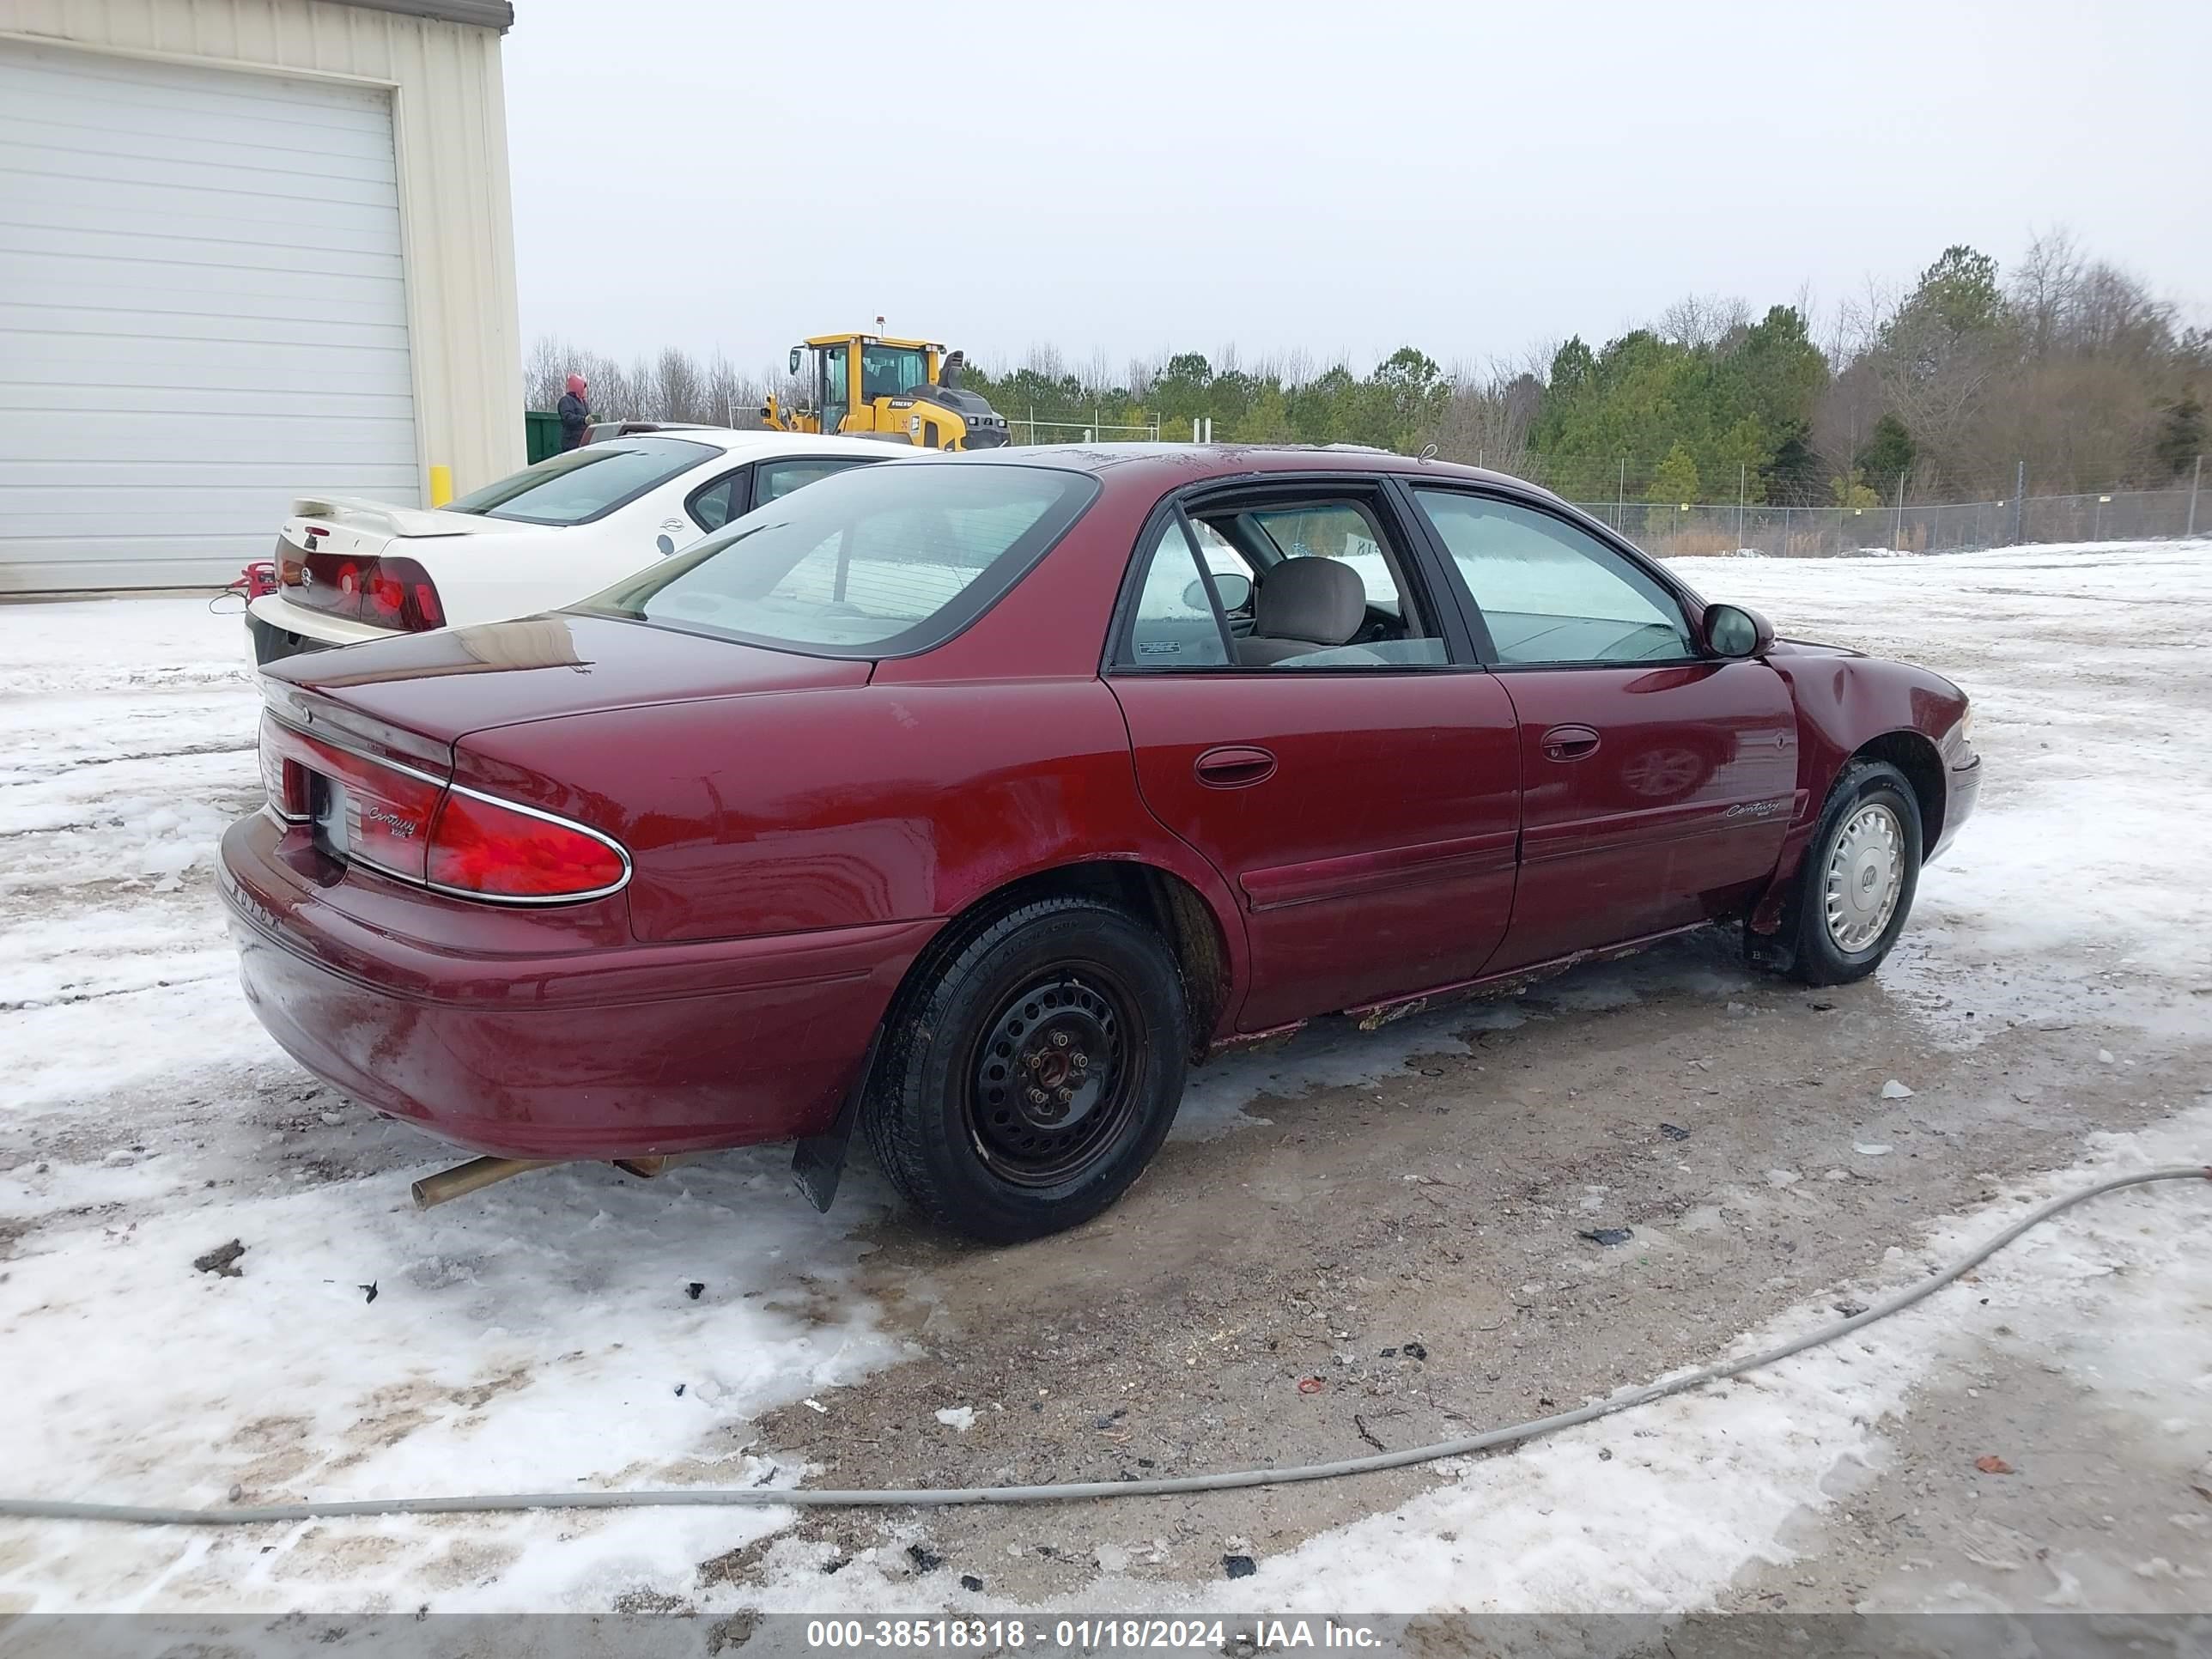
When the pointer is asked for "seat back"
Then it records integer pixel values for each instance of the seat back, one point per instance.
(1303, 605)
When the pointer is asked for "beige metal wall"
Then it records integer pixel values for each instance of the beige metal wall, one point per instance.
(449, 127)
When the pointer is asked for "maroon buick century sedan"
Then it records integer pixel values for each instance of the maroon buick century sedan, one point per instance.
(969, 801)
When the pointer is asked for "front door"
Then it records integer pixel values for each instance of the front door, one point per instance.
(836, 396)
(1658, 781)
(1359, 796)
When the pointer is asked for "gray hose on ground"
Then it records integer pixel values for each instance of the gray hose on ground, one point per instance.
(934, 1497)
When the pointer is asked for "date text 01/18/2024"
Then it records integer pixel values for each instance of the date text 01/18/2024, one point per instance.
(1089, 1635)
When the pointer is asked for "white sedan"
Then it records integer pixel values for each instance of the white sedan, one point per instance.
(349, 570)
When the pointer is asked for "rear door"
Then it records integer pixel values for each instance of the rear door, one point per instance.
(1360, 798)
(1659, 781)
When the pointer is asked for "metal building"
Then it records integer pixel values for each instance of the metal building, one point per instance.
(249, 249)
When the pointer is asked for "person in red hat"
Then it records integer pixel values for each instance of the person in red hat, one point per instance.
(576, 413)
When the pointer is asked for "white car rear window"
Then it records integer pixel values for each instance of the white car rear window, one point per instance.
(582, 484)
(878, 561)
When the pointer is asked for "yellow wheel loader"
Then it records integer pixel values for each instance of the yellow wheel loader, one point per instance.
(905, 391)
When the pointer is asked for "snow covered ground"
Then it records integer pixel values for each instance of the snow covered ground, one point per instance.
(583, 1328)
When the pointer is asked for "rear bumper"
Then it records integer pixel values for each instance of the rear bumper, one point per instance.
(274, 644)
(598, 1052)
(290, 628)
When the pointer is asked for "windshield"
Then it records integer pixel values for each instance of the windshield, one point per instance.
(586, 483)
(878, 561)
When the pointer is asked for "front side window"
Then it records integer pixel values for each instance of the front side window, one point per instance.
(891, 371)
(1551, 592)
(580, 485)
(877, 561)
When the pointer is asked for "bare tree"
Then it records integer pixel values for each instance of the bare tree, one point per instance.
(1486, 417)
(679, 388)
(1702, 320)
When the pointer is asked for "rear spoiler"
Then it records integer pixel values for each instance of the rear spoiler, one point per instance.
(356, 513)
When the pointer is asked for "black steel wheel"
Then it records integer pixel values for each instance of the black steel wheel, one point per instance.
(1050, 1082)
(1031, 1079)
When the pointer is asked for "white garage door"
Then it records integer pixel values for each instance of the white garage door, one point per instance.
(203, 314)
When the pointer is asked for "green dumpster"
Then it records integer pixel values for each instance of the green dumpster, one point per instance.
(541, 435)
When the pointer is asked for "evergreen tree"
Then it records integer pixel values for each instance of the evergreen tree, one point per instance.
(1887, 453)
(2180, 436)
(1675, 482)
(1792, 476)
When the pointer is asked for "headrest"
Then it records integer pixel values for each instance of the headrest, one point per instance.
(1311, 598)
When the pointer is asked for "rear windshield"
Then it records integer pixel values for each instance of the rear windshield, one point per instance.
(879, 560)
(586, 483)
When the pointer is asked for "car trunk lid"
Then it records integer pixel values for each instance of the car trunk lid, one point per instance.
(347, 556)
(439, 686)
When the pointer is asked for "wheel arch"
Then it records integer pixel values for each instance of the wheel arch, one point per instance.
(1915, 755)
(1167, 901)
(1912, 753)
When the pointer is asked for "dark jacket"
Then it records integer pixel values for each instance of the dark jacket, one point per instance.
(575, 415)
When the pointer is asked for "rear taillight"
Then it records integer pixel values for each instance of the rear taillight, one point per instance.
(282, 775)
(387, 593)
(415, 826)
(492, 850)
(371, 811)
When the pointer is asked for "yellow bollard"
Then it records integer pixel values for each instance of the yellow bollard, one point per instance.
(441, 485)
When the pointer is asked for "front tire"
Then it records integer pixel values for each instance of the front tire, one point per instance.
(1861, 870)
(1027, 1084)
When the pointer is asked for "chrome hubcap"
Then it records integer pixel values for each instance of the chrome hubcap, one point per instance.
(1865, 877)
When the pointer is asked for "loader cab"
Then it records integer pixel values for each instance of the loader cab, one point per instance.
(837, 366)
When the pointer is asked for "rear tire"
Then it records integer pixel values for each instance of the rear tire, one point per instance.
(1029, 1082)
(1861, 869)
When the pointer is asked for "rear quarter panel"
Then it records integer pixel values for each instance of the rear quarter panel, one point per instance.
(793, 811)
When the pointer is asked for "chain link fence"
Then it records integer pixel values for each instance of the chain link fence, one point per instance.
(1806, 532)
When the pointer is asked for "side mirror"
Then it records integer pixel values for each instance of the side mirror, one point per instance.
(1734, 631)
(1235, 591)
(794, 360)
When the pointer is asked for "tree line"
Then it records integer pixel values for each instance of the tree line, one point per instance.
(1935, 392)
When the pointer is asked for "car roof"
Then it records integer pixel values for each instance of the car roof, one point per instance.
(754, 445)
(1172, 463)
(758, 446)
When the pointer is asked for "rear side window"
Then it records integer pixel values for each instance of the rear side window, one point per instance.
(710, 504)
(777, 479)
(1333, 531)
(583, 485)
(878, 561)
(1175, 625)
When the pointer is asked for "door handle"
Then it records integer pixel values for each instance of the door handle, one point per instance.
(1569, 742)
(1233, 766)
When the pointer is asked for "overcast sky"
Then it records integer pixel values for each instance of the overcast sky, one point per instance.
(1133, 178)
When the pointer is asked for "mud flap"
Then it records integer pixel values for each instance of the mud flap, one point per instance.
(818, 1162)
(1773, 953)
